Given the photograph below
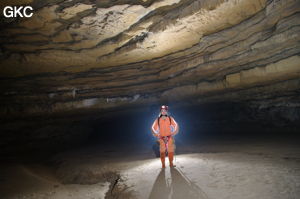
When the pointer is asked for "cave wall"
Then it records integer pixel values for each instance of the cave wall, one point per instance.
(39, 138)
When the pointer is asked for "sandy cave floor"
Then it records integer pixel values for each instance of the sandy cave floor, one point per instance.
(213, 170)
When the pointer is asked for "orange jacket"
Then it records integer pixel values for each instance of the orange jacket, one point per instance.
(165, 128)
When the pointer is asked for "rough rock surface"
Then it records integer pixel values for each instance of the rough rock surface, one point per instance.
(86, 55)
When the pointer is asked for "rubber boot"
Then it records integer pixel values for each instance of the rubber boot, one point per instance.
(162, 158)
(171, 157)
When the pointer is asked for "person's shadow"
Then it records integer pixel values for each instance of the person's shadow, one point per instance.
(179, 187)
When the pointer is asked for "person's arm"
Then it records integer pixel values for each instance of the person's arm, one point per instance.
(154, 129)
(176, 126)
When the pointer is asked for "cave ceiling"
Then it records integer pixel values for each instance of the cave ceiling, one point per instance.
(103, 54)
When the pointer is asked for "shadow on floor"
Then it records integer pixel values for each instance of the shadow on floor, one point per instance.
(179, 187)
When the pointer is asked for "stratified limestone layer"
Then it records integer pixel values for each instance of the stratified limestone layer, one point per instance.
(102, 55)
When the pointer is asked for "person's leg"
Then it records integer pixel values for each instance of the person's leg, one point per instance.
(171, 149)
(162, 149)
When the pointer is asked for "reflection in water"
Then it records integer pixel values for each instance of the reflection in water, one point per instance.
(178, 187)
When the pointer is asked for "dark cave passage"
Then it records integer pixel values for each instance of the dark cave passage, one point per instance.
(211, 123)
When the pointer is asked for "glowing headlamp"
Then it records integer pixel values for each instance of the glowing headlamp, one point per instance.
(164, 107)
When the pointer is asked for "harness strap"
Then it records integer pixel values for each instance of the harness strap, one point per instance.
(166, 141)
(165, 138)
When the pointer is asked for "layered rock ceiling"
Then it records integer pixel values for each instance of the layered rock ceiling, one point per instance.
(86, 55)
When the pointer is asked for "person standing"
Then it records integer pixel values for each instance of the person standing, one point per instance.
(164, 128)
